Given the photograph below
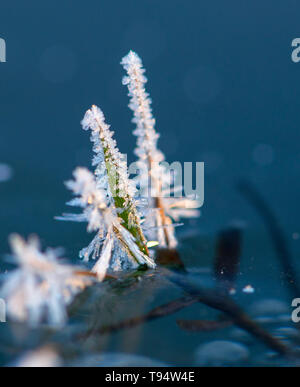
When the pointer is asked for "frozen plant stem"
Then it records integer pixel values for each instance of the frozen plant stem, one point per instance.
(150, 159)
(140, 104)
(119, 184)
(107, 199)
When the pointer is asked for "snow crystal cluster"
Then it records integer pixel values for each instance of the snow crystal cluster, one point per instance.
(113, 245)
(41, 288)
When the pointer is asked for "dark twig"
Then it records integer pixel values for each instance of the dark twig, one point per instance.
(203, 325)
(281, 246)
(161, 311)
(217, 300)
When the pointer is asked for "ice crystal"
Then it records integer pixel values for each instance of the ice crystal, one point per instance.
(41, 288)
(150, 159)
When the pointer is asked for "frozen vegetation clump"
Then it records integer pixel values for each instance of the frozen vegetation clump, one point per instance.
(107, 199)
(126, 218)
(41, 288)
(122, 215)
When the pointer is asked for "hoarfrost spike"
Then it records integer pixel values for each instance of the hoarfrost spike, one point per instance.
(150, 158)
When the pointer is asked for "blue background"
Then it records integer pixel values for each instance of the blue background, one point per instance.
(222, 82)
